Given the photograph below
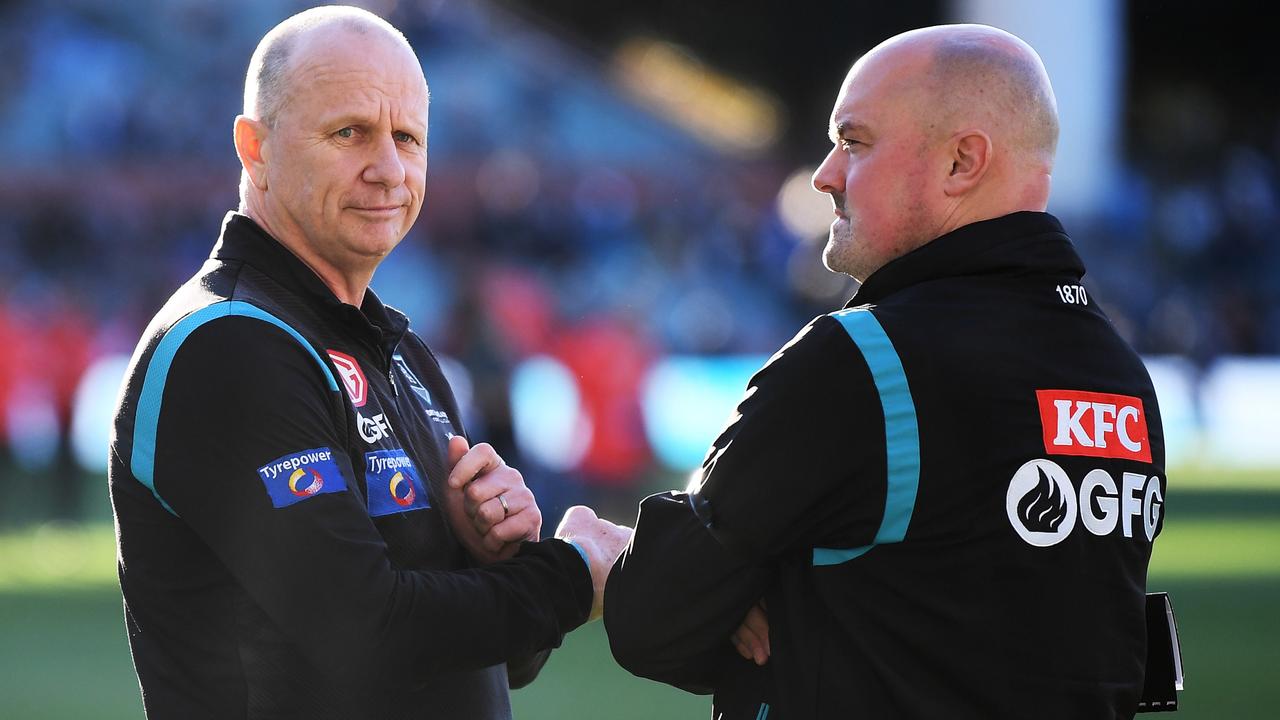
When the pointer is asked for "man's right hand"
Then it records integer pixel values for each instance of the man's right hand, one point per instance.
(603, 542)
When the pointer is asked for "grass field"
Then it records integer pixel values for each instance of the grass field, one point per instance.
(63, 653)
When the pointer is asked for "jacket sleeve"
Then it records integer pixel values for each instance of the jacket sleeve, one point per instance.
(801, 462)
(241, 398)
(675, 596)
(800, 465)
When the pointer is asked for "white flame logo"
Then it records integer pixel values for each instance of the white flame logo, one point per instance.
(1041, 503)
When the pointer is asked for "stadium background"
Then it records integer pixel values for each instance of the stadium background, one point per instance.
(617, 231)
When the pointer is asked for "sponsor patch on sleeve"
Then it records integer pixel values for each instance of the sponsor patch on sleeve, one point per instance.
(1094, 424)
(301, 475)
(393, 482)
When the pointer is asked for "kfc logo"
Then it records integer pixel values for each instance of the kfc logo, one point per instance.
(352, 377)
(1093, 424)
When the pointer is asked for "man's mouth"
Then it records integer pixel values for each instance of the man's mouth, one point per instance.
(838, 206)
(378, 210)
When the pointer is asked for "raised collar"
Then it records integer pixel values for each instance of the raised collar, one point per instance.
(1016, 244)
(244, 240)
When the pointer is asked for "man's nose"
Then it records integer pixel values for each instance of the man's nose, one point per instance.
(828, 178)
(385, 166)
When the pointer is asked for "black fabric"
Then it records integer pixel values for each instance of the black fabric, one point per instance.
(962, 618)
(244, 604)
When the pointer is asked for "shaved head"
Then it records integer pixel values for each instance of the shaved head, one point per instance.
(984, 76)
(933, 129)
(266, 85)
(977, 76)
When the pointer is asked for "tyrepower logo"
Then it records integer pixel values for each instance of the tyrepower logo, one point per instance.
(352, 377)
(1093, 424)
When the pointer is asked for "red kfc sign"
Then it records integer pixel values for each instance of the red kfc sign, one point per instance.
(352, 377)
(1094, 424)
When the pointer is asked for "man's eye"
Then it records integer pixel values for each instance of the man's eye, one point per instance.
(346, 133)
(848, 144)
(405, 137)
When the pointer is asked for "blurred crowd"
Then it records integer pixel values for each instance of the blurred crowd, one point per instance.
(562, 219)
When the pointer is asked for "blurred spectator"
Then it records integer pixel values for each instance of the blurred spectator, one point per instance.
(561, 218)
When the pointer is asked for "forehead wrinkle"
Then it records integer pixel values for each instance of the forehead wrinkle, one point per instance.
(384, 63)
(358, 91)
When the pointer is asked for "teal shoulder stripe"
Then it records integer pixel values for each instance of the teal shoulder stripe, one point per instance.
(902, 435)
(147, 418)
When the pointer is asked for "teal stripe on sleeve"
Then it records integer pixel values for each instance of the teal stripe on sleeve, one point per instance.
(147, 418)
(902, 434)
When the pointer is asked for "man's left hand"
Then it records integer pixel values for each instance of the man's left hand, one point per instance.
(489, 506)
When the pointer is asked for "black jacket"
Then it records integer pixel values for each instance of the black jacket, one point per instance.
(275, 469)
(946, 493)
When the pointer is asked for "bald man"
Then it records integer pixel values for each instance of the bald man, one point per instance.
(947, 492)
(303, 529)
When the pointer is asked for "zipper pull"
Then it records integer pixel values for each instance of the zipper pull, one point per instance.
(391, 378)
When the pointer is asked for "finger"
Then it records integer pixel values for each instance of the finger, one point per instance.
(752, 642)
(458, 446)
(741, 647)
(524, 525)
(478, 460)
(487, 515)
(503, 480)
(575, 521)
(499, 548)
(519, 520)
(758, 623)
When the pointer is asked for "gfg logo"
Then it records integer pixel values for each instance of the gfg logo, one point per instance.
(372, 429)
(1043, 505)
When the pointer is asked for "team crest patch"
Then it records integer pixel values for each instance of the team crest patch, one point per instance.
(414, 383)
(294, 478)
(393, 483)
(352, 377)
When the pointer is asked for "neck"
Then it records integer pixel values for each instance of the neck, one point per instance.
(348, 286)
(1030, 195)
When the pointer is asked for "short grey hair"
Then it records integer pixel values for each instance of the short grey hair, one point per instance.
(265, 84)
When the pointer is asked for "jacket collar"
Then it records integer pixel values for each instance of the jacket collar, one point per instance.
(1016, 244)
(244, 240)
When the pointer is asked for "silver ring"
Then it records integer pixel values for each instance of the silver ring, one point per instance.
(506, 510)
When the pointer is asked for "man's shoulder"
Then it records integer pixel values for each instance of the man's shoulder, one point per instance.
(219, 321)
(824, 349)
(227, 289)
(815, 339)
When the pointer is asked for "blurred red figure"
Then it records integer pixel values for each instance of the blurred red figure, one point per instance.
(609, 361)
(47, 353)
(12, 339)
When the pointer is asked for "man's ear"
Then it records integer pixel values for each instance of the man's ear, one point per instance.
(250, 139)
(970, 156)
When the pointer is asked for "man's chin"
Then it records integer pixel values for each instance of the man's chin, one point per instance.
(833, 254)
(375, 238)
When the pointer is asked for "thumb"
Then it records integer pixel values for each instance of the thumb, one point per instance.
(458, 446)
(580, 513)
(575, 519)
